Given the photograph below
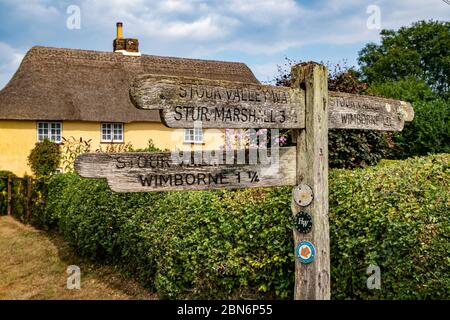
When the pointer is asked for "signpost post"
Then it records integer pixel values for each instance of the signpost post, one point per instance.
(307, 108)
(312, 279)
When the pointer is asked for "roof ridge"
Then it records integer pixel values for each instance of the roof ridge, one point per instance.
(41, 51)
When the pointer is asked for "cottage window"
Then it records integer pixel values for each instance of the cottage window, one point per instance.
(194, 135)
(112, 132)
(50, 130)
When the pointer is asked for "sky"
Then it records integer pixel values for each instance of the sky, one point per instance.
(260, 33)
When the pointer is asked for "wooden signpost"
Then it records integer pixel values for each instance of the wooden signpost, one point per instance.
(352, 111)
(226, 104)
(307, 108)
(219, 104)
(203, 170)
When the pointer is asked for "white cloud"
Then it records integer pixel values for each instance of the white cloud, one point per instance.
(202, 28)
(265, 72)
(255, 26)
(10, 59)
(262, 11)
(34, 9)
(267, 29)
(176, 6)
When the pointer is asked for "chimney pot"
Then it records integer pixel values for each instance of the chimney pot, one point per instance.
(128, 46)
(119, 30)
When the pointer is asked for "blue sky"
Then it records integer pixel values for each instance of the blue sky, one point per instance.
(258, 32)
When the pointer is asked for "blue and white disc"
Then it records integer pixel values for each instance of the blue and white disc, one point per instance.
(305, 252)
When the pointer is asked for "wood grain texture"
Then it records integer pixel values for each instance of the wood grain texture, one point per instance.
(218, 104)
(161, 171)
(352, 111)
(312, 281)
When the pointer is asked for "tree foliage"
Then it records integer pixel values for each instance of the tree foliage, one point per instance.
(421, 51)
(429, 132)
(346, 148)
(44, 158)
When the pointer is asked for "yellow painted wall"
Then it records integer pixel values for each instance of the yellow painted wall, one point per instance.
(17, 138)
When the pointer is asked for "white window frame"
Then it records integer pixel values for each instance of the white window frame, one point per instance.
(52, 130)
(193, 135)
(110, 130)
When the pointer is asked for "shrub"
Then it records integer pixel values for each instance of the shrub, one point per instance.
(72, 148)
(347, 148)
(238, 244)
(429, 132)
(37, 213)
(115, 147)
(4, 190)
(150, 148)
(409, 89)
(6, 173)
(44, 158)
(395, 216)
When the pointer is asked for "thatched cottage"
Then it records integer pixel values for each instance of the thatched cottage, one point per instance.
(59, 93)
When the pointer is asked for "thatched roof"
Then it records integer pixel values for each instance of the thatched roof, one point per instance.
(70, 84)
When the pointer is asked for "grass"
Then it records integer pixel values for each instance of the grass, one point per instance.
(33, 265)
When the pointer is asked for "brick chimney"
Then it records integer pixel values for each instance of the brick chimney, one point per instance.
(126, 46)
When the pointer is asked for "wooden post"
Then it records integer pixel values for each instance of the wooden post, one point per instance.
(312, 281)
(29, 203)
(9, 210)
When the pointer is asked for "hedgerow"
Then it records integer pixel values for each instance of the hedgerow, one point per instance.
(238, 244)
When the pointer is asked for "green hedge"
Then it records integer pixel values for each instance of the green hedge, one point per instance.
(37, 214)
(4, 190)
(238, 244)
(396, 216)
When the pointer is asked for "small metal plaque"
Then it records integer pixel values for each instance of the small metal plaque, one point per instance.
(303, 195)
(305, 252)
(303, 222)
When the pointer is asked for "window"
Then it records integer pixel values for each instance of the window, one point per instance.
(194, 135)
(112, 132)
(50, 130)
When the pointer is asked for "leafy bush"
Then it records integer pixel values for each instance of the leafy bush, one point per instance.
(347, 148)
(409, 89)
(429, 132)
(150, 148)
(395, 216)
(356, 148)
(115, 147)
(238, 244)
(6, 173)
(44, 158)
(4, 190)
(35, 201)
(72, 148)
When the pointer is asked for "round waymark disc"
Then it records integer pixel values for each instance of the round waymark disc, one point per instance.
(305, 252)
(303, 195)
(303, 222)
